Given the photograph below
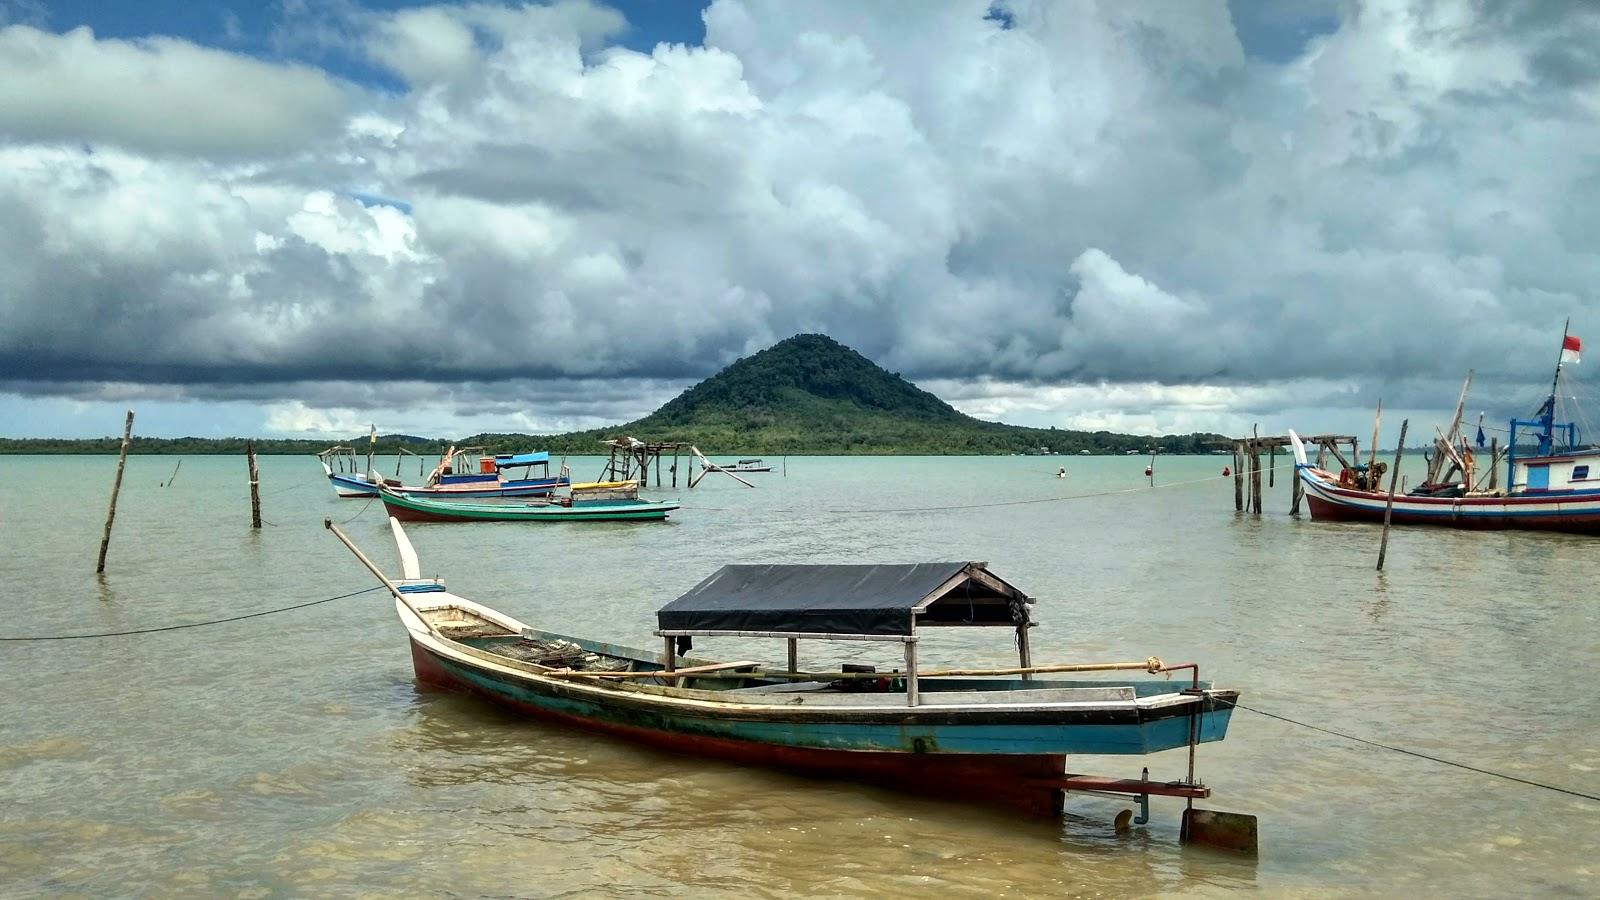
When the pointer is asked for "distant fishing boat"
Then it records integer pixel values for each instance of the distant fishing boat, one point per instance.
(453, 476)
(605, 501)
(1548, 487)
(748, 465)
(998, 735)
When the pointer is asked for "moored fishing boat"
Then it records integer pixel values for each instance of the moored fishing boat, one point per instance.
(453, 476)
(1548, 486)
(593, 502)
(990, 734)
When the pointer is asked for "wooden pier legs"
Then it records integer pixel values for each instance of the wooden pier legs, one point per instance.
(1255, 475)
(255, 483)
(1238, 476)
(116, 488)
(1299, 490)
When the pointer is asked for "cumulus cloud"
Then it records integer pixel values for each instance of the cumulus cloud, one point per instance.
(1069, 195)
(160, 95)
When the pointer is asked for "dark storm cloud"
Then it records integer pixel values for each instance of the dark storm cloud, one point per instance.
(1101, 192)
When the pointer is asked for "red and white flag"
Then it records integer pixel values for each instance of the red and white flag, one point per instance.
(1569, 349)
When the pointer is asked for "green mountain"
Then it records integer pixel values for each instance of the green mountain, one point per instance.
(811, 394)
(808, 394)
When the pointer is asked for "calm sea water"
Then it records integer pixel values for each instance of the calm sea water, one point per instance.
(294, 755)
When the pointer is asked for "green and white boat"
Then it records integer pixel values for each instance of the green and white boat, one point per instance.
(603, 501)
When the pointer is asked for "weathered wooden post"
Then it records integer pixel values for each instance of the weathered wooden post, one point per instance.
(1494, 463)
(1255, 470)
(255, 484)
(116, 487)
(1238, 476)
(1297, 491)
(1388, 508)
(1272, 466)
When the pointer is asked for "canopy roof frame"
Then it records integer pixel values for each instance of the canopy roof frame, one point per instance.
(738, 601)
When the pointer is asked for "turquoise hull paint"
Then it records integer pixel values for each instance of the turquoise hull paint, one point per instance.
(1005, 739)
(413, 508)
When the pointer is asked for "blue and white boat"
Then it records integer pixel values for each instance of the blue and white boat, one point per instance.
(455, 478)
(1552, 479)
(995, 734)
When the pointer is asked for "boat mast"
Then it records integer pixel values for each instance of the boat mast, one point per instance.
(1547, 422)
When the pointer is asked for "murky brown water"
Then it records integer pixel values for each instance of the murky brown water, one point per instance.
(293, 755)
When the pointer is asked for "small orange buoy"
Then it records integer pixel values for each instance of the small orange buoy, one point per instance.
(1226, 471)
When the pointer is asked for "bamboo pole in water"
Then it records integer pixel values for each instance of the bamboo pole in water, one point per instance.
(1238, 476)
(116, 487)
(255, 484)
(1388, 508)
(1255, 471)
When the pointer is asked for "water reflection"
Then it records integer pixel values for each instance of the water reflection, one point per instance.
(695, 823)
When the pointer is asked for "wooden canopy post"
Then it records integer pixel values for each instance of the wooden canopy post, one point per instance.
(1388, 507)
(116, 488)
(255, 484)
(1494, 463)
(794, 655)
(1024, 654)
(911, 669)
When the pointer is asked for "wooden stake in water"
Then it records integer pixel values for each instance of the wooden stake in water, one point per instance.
(255, 484)
(116, 486)
(1388, 508)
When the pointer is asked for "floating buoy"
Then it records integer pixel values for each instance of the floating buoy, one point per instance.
(1149, 470)
(1226, 471)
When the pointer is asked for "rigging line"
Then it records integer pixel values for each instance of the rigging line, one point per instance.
(254, 615)
(359, 514)
(292, 487)
(1418, 754)
(998, 503)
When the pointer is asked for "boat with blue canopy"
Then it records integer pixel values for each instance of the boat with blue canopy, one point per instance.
(1552, 477)
(992, 734)
(455, 477)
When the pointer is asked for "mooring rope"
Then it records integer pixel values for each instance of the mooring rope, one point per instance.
(1418, 754)
(989, 505)
(254, 615)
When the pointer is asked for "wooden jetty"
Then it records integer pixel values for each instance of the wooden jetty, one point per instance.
(1247, 452)
(631, 459)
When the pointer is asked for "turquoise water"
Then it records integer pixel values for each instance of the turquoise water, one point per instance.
(294, 755)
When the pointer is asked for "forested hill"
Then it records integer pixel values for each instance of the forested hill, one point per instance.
(811, 394)
(808, 394)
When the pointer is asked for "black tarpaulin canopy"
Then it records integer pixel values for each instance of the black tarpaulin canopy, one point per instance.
(885, 600)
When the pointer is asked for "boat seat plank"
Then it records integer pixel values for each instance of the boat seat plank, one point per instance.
(787, 687)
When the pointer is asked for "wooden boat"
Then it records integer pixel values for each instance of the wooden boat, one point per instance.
(594, 502)
(996, 735)
(747, 465)
(1549, 486)
(452, 477)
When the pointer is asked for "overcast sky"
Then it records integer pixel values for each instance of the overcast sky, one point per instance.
(298, 217)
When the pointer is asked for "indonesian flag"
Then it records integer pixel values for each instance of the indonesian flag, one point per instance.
(1569, 349)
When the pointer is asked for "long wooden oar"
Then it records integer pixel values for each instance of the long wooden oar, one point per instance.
(1151, 665)
(393, 589)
